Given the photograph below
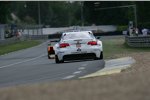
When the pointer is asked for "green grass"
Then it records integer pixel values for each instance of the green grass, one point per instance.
(17, 46)
(112, 47)
(122, 28)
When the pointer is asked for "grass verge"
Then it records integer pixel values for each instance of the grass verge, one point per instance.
(17, 46)
(112, 47)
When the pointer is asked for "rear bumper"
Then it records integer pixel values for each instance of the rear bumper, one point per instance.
(89, 53)
(68, 53)
(79, 56)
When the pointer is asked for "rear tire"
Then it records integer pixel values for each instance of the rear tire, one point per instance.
(48, 56)
(101, 56)
(57, 60)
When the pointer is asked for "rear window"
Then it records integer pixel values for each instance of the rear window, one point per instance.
(77, 36)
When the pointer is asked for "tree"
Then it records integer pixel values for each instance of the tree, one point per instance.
(143, 13)
(53, 13)
(109, 16)
(4, 12)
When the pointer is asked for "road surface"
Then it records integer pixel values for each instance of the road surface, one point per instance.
(32, 66)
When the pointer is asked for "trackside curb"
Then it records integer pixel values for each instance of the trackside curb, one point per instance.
(112, 67)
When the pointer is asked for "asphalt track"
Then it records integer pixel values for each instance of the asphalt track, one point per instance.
(32, 66)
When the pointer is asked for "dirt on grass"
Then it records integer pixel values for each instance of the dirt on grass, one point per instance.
(131, 84)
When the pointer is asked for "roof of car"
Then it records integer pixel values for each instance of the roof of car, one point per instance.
(77, 32)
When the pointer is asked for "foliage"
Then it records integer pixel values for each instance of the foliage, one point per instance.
(4, 12)
(65, 13)
(52, 13)
(122, 28)
(107, 16)
(118, 16)
(143, 13)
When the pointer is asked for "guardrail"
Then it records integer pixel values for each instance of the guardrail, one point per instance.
(2, 35)
(58, 34)
(36, 37)
(138, 41)
(113, 33)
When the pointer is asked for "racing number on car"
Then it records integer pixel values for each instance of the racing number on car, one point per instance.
(78, 45)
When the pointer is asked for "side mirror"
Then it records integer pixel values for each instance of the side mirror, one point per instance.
(98, 37)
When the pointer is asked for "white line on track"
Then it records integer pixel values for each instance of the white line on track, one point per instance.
(21, 61)
(81, 68)
(77, 72)
(69, 77)
(84, 65)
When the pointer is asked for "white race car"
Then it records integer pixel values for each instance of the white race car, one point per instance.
(77, 45)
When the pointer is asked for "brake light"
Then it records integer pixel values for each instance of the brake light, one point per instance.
(92, 43)
(63, 45)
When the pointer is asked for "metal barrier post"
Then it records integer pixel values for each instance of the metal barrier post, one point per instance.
(2, 32)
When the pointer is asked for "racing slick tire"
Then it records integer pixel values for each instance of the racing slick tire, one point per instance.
(48, 56)
(99, 58)
(57, 60)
